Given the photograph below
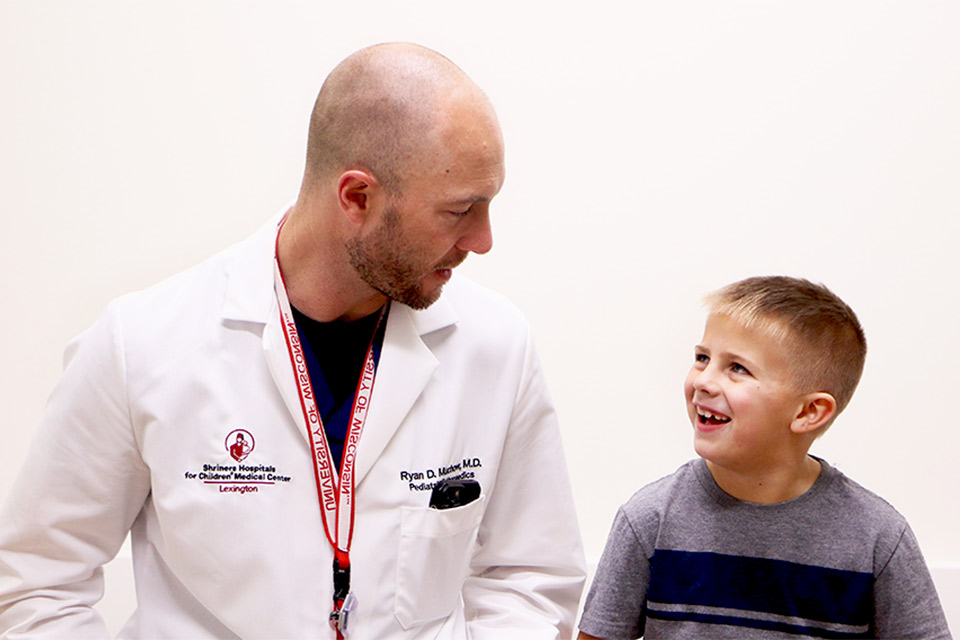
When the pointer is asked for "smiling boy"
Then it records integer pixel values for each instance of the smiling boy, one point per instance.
(758, 539)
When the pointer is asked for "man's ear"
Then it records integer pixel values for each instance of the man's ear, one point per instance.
(357, 191)
(817, 410)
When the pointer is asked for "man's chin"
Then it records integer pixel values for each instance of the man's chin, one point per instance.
(417, 298)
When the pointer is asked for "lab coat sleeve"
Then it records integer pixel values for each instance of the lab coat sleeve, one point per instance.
(80, 488)
(528, 572)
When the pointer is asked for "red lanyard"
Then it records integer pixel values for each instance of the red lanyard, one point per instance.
(335, 493)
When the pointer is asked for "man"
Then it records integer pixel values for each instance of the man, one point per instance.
(368, 385)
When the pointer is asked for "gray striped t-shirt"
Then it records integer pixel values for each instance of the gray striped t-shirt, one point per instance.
(686, 560)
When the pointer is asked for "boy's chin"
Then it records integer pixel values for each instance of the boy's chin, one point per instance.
(708, 452)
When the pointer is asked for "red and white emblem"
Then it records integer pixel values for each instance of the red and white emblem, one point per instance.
(240, 444)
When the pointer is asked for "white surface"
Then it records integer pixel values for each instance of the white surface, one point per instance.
(947, 579)
(655, 151)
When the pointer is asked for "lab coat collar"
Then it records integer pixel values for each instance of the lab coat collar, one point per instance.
(406, 362)
(249, 296)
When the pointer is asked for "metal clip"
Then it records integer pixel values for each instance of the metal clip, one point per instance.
(340, 618)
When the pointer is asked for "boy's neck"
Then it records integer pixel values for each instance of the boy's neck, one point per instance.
(783, 483)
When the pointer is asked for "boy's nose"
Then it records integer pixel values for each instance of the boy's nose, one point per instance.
(705, 382)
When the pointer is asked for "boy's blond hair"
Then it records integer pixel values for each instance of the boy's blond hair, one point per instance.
(825, 340)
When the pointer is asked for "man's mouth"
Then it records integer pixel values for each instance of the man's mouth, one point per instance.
(710, 418)
(445, 271)
(453, 263)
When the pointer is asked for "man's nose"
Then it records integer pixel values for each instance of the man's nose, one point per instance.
(479, 235)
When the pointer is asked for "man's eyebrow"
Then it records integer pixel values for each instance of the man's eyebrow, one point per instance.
(470, 200)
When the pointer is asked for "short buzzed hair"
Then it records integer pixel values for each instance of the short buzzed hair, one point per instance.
(376, 110)
(823, 334)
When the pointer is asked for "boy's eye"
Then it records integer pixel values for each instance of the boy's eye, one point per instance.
(701, 358)
(739, 368)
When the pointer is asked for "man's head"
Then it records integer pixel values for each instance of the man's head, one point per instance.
(779, 359)
(376, 111)
(405, 152)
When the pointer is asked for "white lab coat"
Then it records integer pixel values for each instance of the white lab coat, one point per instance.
(149, 397)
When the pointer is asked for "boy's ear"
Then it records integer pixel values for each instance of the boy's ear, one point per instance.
(356, 190)
(818, 409)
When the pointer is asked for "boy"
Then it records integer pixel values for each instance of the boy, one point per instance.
(758, 539)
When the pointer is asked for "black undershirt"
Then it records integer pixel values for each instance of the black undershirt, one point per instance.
(340, 348)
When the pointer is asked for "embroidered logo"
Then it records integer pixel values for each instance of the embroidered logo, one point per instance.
(240, 444)
(237, 476)
(427, 479)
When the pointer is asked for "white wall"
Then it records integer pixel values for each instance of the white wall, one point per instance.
(656, 151)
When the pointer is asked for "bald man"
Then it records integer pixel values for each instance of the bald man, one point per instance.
(402, 474)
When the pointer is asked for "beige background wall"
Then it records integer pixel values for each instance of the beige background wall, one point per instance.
(655, 152)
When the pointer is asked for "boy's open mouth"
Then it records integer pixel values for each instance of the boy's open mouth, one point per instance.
(711, 419)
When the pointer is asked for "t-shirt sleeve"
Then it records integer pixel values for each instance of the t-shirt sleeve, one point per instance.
(905, 600)
(615, 607)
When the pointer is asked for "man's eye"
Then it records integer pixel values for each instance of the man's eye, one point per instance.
(702, 358)
(739, 368)
(459, 213)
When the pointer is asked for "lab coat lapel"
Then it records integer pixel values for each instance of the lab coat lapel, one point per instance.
(278, 361)
(250, 301)
(406, 366)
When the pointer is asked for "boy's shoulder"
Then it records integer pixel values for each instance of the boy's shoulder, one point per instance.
(692, 486)
(680, 489)
(855, 503)
(686, 509)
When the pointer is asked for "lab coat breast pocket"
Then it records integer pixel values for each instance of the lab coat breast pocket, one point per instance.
(433, 561)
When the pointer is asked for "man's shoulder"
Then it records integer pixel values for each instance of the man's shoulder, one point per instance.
(200, 289)
(478, 314)
(475, 301)
(178, 286)
(185, 312)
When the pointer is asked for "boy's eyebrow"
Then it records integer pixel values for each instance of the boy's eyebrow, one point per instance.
(729, 355)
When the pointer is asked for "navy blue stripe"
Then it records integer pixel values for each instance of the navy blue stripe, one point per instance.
(759, 584)
(766, 625)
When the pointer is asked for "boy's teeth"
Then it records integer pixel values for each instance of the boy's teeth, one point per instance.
(709, 415)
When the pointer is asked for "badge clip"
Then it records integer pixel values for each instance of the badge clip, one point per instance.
(340, 618)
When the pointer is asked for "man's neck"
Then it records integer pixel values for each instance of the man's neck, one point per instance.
(316, 307)
(319, 279)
